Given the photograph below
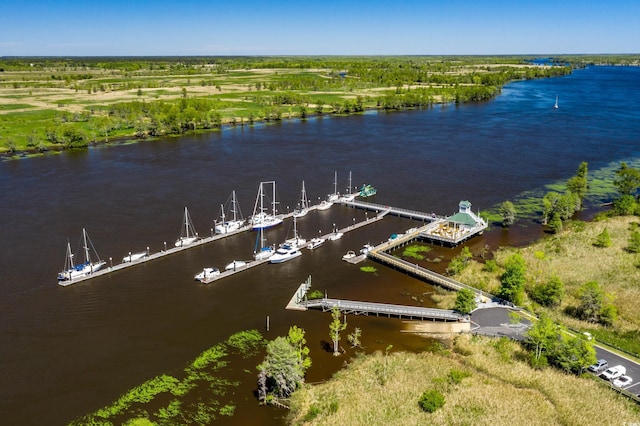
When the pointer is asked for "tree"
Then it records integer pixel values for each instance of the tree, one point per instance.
(513, 279)
(571, 354)
(465, 301)
(603, 239)
(460, 262)
(508, 213)
(431, 400)
(634, 242)
(549, 294)
(281, 372)
(625, 205)
(297, 340)
(591, 299)
(578, 184)
(627, 180)
(540, 338)
(335, 328)
(555, 224)
(354, 338)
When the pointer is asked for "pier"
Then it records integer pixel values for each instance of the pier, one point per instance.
(223, 274)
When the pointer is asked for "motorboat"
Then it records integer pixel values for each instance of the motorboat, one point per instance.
(133, 257)
(324, 205)
(285, 252)
(366, 248)
(315, 243)
(349, 255)
(336, 236)
(235, 265)
(188, 234)
(207, 274)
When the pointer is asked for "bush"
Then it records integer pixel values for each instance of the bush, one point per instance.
(431, 400)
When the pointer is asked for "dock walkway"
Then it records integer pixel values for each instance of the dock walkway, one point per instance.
(382, 309)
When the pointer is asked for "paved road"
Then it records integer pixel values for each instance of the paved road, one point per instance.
(495, 321)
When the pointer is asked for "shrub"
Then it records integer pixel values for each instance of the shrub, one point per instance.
(431, 400)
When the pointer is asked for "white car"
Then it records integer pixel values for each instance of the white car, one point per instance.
(622, 381)
(614, 372)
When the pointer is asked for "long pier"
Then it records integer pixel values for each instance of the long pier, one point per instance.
(248, 265)
(409, 214)
(382, 309)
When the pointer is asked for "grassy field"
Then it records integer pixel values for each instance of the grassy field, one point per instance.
(55, 103)
(483, 381)
(572, 257)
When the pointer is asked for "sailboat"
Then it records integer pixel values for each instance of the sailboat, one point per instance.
(188, 234)
(264, 252)
(303, 207)
(72, 271)
(555, 106)
(296, 241)
(350, 196)
(331, 198)
(260, 219)
(224, 227)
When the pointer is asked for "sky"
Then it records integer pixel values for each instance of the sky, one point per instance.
(329, 27)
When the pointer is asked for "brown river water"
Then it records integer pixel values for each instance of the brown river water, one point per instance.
(67, 351)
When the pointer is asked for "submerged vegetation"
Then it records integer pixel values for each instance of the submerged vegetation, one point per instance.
(56, 103)
(194, 395)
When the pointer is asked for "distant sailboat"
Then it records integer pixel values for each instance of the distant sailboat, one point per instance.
(72, 271)
(226, 226)
(260, 218)
(303, 207)
(555, 106)
(188, 234)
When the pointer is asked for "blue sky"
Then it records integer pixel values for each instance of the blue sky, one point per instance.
(255, 27)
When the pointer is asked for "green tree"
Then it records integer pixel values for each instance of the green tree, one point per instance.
(297, 340)
(508, 213)
(431, 400)
(465, 301)
(603, 239)
(540, 340)
(460, 262)
(625, 205)
(335, 327)
(513, 279)
(634, 242)
(555, 224)
(549, 294)
(571, 354)
(578, 184)
(595, 305)
(627, 180)
(354, 338)
(281, 372)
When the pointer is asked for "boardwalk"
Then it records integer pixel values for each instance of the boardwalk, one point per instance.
(397, 211)
(382, 309)
(227, 273)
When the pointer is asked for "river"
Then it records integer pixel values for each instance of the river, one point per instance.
(66, 352)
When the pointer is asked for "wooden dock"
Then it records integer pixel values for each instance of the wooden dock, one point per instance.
(382, 309)
(223, 274)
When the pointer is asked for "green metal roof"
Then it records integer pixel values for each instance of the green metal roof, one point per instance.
(463, 218)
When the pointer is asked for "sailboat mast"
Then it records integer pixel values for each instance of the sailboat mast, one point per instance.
(274, 198)
(335, 182)
(86, 246)
(233, 204)
(349, 182)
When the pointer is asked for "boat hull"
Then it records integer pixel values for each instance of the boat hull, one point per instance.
(79, 272)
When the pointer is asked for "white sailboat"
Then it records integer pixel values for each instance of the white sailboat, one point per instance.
(334, 197)
(349, 196)
(72, 271)
(235, 265)
(296, 241)
(555, 106)
(133, 257)
(226, 226)
(188, 234)
(303, 207)
(263, 252)
(261, 219)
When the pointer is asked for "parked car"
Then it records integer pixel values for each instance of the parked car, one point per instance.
(614, 372)
(622, 381)
(602, 364)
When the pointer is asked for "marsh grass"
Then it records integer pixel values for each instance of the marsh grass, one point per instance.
(482, 382)
(572, 256)
(192, 395)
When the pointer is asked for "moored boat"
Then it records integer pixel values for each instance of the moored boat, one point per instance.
(234, 265)
(207, 274)
(285, 252)
(349, 255)
(188, 234)
(303, 207)
(133, 257)
(367, 191)
(226, 226)
(261, 219)
(72, 271)
(315, 243)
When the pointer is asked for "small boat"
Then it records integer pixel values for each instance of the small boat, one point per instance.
(367, 191)
(72, 271)
(303, 207)
(133, 257)
(324, 205)
(261, 219)
(285, 252)
(349, 255)
(264, 252)
(188, 234)
(555, 106)
(207, 274)
(226, 226)
(297, 240)
(366, 248)
(315, 243)
(336, 236)
(236, 264)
